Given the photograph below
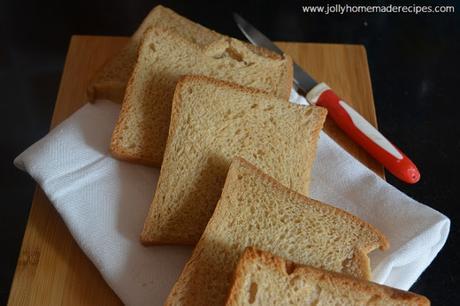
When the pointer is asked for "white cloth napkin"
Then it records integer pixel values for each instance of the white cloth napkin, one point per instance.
(104, 201)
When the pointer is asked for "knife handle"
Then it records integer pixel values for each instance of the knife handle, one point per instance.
(363, 133)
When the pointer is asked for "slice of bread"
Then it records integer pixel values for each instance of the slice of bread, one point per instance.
(262, 278)
(212, 122)
(256, 210)
(111, 80)
(142, 129)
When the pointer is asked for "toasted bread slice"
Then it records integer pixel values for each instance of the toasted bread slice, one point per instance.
(141, 132)
(256, 210)
(111, 80)
(262, 278)
(212, 122)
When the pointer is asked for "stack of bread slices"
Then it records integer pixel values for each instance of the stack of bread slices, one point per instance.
(235, 160)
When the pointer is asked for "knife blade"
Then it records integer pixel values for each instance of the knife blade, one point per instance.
(302, 80)
(349, 120)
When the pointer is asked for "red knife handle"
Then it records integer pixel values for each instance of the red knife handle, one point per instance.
(363, 133)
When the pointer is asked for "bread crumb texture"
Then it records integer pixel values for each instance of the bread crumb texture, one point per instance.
(262, 278)
(164, 56)
(212, 122)
(110, 81)
(255, 210)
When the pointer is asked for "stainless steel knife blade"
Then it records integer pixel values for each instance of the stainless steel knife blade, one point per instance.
(302, 80)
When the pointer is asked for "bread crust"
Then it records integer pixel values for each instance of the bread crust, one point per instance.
(279, 264)
(116, 150)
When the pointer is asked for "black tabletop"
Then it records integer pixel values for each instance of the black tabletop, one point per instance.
(413, 61)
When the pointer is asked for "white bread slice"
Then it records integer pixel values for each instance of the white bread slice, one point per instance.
(262, 278)
(111, 80)
(256, 210)
(142, 129)
(212, 122)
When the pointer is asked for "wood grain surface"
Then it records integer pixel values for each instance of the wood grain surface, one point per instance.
(51, 268)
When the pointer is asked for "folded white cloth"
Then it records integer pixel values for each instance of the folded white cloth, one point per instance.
(104, 201)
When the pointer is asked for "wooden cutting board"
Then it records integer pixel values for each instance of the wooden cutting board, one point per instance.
(52, 269)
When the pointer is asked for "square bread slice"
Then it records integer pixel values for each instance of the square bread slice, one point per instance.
(212, 122)
(110, 81)
(262, 278)
(164, 56)
(256, 210)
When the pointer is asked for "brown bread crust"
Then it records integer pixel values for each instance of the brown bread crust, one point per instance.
(292, 270)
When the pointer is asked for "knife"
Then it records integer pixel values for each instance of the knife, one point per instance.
(349, 120)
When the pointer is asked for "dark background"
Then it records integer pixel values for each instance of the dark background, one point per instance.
(413, 63)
